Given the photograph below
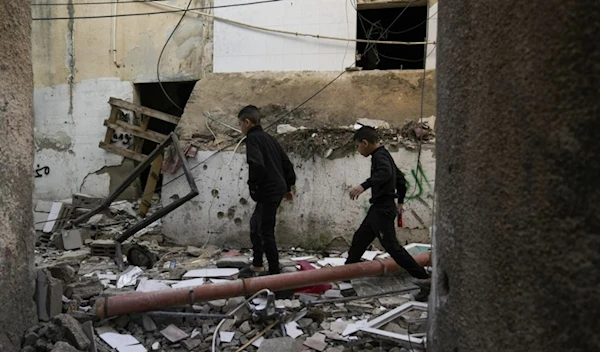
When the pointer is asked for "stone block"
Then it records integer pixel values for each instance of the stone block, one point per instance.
(43, 206)
(88, 329)
(63, 272)
(54, 299)
(71, 239)
(73, 331)
(239, 262)
(86, 288)
(148, 324)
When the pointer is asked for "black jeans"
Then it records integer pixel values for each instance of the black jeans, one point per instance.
(262, 235)
(379, 223)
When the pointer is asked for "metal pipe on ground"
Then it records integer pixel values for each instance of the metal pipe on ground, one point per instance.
(146, 301)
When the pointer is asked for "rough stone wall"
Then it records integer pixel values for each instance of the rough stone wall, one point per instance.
(16, 157)
(517, 226)
(392, 96)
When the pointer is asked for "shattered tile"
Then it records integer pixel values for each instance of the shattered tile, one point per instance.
(212, 273)
(292, 330)
(317, 342)
(226, 336)
(173, 333)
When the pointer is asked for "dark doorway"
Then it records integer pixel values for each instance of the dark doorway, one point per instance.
(411, 26)
(152, 96)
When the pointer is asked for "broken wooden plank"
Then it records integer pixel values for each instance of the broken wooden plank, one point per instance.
(122, 151)
(136, 131)
(144, 110)
(150, 185)
(112, 118)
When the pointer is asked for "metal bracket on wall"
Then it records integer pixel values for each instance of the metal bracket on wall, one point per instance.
(158, 152)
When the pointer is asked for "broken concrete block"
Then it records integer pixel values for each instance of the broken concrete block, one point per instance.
(316, 342)
(54, 299)
(148, 324)
(62, 346)
(195, 251)
(239, 262)
(86, 288)
(30, 338)
(190, 344)
(88, 330)
(73, 331)
(304, 322)
(278, 344)
(245, 327)
(39, 220)
(95, 219)
(71, 239)
(173, 333)
(63, 272)
(233, 303)
(41, 294)
(217, 305)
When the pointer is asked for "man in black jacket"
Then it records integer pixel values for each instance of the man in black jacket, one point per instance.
(271, 177)
(387, 184)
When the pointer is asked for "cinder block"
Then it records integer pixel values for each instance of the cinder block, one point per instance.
(54, 299)
(71, 239)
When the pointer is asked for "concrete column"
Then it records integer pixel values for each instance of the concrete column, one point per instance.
(17, 309)
(517, 223)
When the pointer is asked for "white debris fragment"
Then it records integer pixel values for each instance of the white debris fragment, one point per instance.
(292, 330)
(129, 277)
(226, 336)
(370, 255)
(146, 285)
(286, 128)
(373, 123)
(189, 283)
(214, 272)
(258, 342)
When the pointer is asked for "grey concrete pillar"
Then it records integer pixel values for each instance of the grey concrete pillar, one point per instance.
(517, 223)
(17, 310)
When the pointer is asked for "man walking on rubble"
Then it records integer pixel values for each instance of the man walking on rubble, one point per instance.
(387, 183)
(271, 177)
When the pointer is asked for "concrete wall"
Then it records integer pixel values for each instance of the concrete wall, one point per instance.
(321, 212)
(78, 64)
(393, 96)
(516, 239)
(16, 155)
(241, 49)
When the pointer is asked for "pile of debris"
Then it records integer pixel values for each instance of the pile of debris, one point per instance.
(366, 314)
(331, 142)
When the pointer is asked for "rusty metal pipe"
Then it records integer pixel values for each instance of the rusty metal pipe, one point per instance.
(141, 302)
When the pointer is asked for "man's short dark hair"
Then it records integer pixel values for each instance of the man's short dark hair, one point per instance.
(367, 133)
(251, 113)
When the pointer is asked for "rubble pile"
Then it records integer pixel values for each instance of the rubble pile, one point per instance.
(332, 142)
(377, 314)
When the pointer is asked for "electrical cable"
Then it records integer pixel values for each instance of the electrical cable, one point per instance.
(163, 51)
(152, 13)
(384, 33)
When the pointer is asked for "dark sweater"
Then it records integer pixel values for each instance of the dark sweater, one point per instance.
(271, 171)
(387, 181)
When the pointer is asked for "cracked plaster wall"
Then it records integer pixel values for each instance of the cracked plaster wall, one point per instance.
(74, 76)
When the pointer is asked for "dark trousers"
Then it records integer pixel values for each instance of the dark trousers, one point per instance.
(262, 235)
(379, 223)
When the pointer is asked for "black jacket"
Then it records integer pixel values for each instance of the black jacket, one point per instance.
(271, 171)
(386, 179)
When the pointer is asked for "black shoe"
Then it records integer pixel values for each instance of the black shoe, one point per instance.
(424, 284)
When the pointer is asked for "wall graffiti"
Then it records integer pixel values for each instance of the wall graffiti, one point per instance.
(42, 171)
(420, 180)
(122, 139)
